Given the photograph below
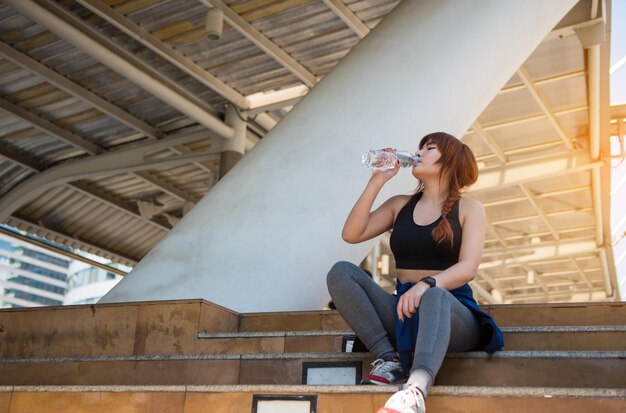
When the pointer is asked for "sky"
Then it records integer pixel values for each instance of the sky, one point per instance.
(618, 52)
(618, 171)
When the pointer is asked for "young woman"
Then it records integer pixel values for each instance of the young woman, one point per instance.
(437, 242)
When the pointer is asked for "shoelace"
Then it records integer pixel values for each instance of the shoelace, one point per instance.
(409, 396)
(417, 396)
(378, 364)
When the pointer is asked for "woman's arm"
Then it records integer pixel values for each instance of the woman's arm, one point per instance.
(474, 231)
(362, 224)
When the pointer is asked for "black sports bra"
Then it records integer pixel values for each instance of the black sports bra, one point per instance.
(413, 246)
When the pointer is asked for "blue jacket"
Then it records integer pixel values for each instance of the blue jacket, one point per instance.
(406, 332)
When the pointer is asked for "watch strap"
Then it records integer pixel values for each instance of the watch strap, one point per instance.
(430, 281)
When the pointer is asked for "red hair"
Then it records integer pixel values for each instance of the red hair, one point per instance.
(459, 168)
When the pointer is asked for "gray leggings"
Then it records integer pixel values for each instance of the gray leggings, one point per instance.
(444, 325)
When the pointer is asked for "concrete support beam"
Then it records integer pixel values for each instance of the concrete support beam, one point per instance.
(259, 258)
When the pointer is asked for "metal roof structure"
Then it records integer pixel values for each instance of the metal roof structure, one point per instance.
(111, 122)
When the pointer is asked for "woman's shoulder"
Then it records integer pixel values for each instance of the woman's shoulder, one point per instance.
(470, 207)
(397, 202)
(470, 203)
(400, 200)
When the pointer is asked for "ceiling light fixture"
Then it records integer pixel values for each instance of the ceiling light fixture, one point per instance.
(214, 23)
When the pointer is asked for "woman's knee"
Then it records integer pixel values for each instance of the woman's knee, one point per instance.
(339, 273)
(435, 296)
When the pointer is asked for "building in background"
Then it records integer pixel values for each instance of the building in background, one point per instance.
(87, 284)
(32, 276)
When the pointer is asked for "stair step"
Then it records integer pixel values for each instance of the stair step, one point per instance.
(555, 338)
(327, 399)
(171, 327)
(509, 315)
(506, 368)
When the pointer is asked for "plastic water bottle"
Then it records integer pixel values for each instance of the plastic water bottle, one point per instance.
(379, 158)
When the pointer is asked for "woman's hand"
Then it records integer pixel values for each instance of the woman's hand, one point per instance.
(382, 175)
(409, 302)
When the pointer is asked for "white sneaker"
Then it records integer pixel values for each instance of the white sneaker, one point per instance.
(408, 400)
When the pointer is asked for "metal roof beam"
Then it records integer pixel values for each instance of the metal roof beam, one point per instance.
(573, 296)
(531, 198)
(20, 159)
(607, 276)
(549, 214)
(88, 30)
(126, 160)
(562, 232)
(99, 103)
(86, 190)
(107, 57)
(49, 128)
(489, 142)
(541, 101)
(545, 81)
(526, 119)
(495, 285)
(77, 90)
(66, 239)
(263, 43)
(537, 279)
(61, 251)
(164, 50)
(484, 294)
(581, 272)
(539, 195)
(538, 168)
(118, 204)
(57, 131)
(348, 17)
(538, 252)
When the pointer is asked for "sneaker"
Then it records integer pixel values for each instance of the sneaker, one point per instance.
(408, 400)
(385, 372)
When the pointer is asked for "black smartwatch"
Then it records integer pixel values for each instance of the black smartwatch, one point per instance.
(430, 281)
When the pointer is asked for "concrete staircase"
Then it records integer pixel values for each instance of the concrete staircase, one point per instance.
(182, 356)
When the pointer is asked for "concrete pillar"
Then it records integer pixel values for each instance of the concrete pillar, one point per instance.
(233, 149)
(264, 238)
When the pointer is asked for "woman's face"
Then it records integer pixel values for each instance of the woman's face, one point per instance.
(427, 166)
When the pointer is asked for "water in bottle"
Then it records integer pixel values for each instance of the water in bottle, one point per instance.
(379, 158)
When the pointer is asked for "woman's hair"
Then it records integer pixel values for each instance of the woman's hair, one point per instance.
(459, 168)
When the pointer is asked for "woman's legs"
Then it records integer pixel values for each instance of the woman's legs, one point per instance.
(366, 307)
(445, 325)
